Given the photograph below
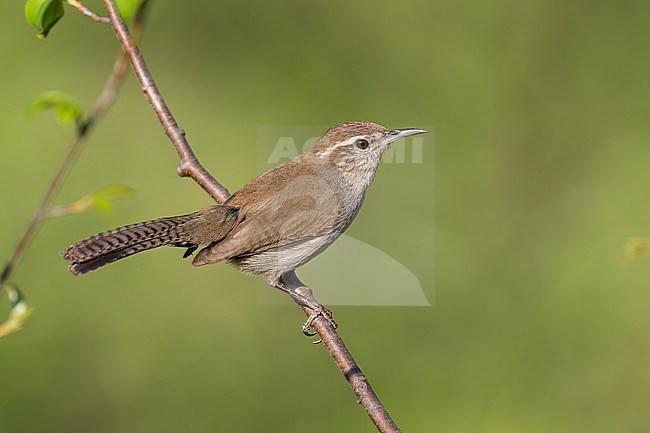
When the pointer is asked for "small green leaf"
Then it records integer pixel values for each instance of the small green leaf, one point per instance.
(20, 311)
(127, 8)
(101, 200)
(67, 110)
(633, 248)
(43, 14)
(33, 10)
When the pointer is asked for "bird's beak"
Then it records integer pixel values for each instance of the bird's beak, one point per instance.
(396, 134)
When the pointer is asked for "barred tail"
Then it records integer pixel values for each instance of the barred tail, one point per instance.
(192, 230)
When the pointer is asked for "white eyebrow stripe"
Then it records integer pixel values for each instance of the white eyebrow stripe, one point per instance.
(325, 153)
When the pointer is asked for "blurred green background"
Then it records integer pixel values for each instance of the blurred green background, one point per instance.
(541, 113)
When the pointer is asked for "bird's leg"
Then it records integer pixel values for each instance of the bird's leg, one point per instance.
(303, 296)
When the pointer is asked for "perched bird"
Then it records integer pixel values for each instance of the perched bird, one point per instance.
(274, 224)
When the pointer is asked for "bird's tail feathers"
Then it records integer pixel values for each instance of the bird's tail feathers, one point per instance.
(190, 231)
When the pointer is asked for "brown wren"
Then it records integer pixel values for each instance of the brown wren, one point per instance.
(274, 224)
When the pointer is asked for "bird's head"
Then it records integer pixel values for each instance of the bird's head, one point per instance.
(355, 148)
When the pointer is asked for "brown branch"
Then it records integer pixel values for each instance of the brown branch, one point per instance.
(345, 362)
(190, 166)
(87, 12)
(99, 108)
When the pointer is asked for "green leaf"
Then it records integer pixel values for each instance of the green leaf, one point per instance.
(67, 110)
(43, 14)
(128, 8)
(33, 11)
(20, 311)
(633, 248)
(101, 200)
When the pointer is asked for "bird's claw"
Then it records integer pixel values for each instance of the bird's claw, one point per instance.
(319, 311)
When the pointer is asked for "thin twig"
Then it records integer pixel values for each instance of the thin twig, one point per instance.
(345, 362)
(190, 166)
(99, 108)
(87, 12)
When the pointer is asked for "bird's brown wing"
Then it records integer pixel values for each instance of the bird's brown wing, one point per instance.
(271, 219)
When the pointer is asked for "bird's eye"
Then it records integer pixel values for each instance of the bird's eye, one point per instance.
(362, 144)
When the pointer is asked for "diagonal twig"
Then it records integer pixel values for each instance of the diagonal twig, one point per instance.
(345, 362)
(83, 128)
(87, 12)
(190, 166)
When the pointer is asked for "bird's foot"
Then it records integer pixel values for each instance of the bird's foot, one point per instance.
(318, 310)
(303, 296)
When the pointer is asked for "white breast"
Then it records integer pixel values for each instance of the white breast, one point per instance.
(286, 259)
